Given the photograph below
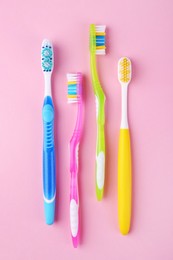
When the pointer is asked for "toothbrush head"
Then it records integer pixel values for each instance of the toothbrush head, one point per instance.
(47, 59)
(97, 39)
(124, 70)
(74, 82)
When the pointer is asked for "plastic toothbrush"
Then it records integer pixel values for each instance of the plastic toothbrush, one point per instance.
(124, 152)
(75, 96)
(49, 179)
(97, 47)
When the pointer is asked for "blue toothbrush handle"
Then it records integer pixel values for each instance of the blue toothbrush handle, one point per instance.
(49, 178)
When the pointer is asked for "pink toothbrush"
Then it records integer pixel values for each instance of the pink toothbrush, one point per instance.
(75, 96)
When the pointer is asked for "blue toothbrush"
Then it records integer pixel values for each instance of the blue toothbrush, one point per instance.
(49, 178)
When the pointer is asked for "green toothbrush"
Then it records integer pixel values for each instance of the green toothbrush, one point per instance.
(97, 47)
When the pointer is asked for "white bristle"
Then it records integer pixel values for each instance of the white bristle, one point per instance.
(100, 52)
(46, 42)
(72, 101)
(100, 28)
(72, 77)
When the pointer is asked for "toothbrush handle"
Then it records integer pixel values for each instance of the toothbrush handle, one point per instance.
(49, 179)
(100, 114)
(74, 197)
(100, 161)
(124, 181)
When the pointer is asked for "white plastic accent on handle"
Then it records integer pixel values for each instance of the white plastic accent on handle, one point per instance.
(100, 170)
(47, 79)
(51, 200)
(124, 121)
(74, 217)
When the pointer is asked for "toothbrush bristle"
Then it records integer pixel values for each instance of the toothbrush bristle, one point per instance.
(100, 39)
(97, 39)
(47, 58)
(124, 70)
(74, 87)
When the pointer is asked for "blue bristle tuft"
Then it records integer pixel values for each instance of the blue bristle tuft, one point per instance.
(100, 40)
(72, 89)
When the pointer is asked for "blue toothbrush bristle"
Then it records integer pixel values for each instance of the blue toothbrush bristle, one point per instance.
(100, 39)
(72, 89)
(47, 56)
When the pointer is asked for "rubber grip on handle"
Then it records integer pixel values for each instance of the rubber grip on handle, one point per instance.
(74, 222)
(124, 181)
(49, 179)
(100, 162)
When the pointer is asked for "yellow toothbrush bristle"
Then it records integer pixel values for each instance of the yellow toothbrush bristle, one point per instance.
(124, 70)
(72, 82)
(100, 47)
(100, 33)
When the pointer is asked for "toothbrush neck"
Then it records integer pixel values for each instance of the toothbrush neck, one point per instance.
(79, 117)
(74, 142)
(124, 116)
(47, 80)
(94, 73)
(78, 127)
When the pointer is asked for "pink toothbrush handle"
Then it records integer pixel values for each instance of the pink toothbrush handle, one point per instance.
(74, 197)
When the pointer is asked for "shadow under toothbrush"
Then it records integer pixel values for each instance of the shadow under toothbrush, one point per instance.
(133, 152)
(111, 158)
(82, 176)
(56, 136)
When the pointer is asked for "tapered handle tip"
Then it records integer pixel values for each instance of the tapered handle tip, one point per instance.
(49, 210)
(75, 241)
(99, 193)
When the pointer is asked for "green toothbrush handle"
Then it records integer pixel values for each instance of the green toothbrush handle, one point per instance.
(100, 150)
(100, 112)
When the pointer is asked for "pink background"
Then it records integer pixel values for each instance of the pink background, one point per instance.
(141, 30)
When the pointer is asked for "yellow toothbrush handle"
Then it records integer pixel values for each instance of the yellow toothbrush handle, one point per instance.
(124, 181)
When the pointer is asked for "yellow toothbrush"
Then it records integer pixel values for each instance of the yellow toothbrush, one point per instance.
(124, 152)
